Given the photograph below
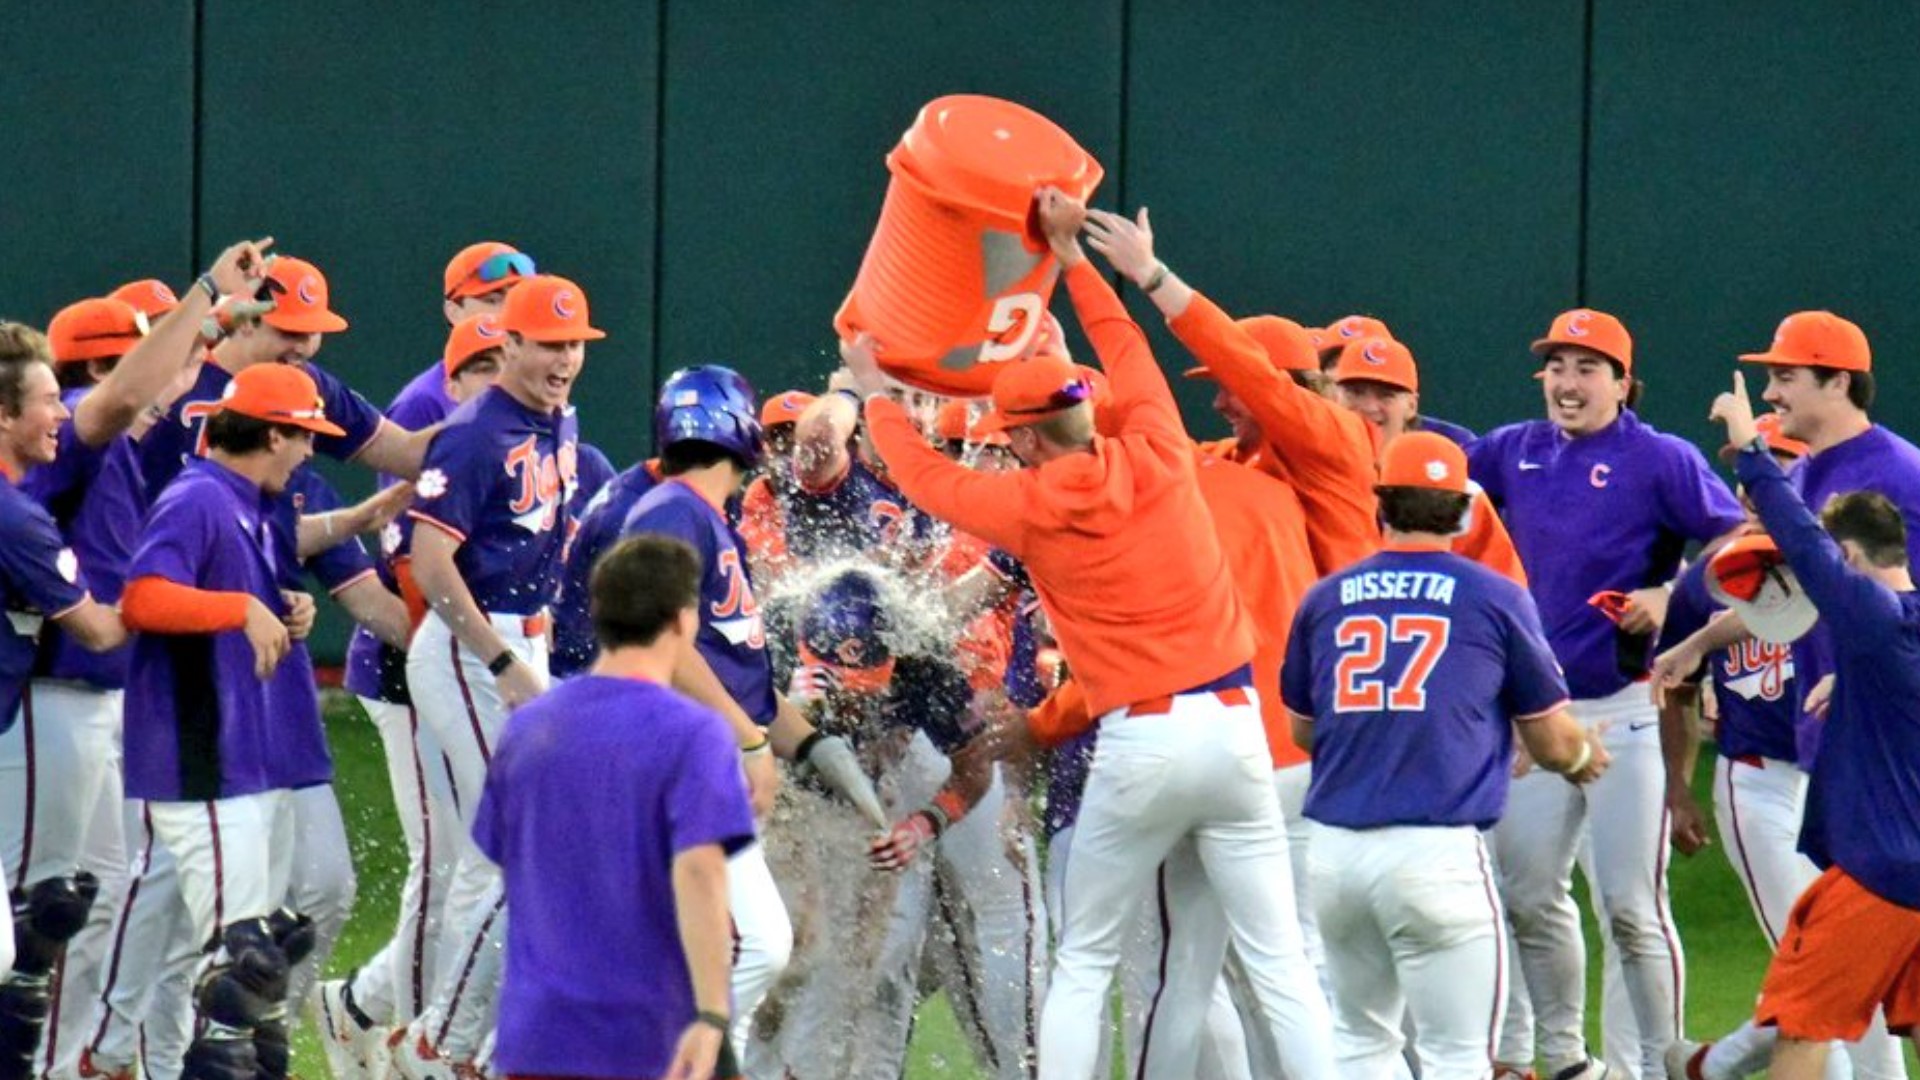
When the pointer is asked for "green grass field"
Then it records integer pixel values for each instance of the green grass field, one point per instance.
(1725, 953)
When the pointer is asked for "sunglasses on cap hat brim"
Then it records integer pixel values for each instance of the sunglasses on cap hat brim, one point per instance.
(501, 269)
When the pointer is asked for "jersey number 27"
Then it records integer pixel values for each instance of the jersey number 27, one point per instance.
(1360, 684)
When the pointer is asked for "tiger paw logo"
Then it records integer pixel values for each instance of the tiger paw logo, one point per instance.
(431, 485)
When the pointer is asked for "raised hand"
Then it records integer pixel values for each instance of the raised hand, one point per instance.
(1126, 244)
(1735, 409)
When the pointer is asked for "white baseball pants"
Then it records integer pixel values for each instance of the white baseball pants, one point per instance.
(392, 987)
(1417, 918)
(1625, 814)
(459, 703)
(1200, 770)
(234, 857)
(54, 762)
(143, 1008)
(321, 885)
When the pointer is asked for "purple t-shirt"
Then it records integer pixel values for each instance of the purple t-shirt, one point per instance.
(499, 478)
(1874, 460)
(98, 499)
(1611, 510)
(39, 580)
(180, 436)
(732, 636)
(593, 790)
(1863, 799)
(604, 515)
(199, 724)
(1752, 681)
(1413, 665)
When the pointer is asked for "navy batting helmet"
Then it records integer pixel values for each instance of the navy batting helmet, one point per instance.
(710, 404)
(846, 624)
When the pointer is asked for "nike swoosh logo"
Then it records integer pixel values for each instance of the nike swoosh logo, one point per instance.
(1643, 726)
(1529, 466)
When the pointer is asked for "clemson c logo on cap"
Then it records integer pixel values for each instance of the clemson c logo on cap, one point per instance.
(489, 327)
(563, 304)
(1367, 354)
(309, 290)
(1577, 323)
(1348, 328)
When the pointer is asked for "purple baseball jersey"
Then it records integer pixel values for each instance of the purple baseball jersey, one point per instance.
(98, 499)
(498, 479)
(180, 436)
(732, 636)
(1752, 682)
(1413, 666)
(604, 515)
(1874, 460)
(1863, 798)
(199, 724)
(39, 581)
(376, 670)
(1460, 436)
(859, 513)
(1611, 510)
(621, 776)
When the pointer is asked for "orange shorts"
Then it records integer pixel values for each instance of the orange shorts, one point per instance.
(1845, 952)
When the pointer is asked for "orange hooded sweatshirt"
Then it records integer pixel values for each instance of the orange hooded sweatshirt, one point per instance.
(1118, 541)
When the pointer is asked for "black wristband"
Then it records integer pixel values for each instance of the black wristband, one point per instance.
(501, 663)
(806, 746)
(213, 291)
(854, 396)
(714, 1020)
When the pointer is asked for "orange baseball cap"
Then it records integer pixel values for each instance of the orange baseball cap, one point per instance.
(485, 267)
(1378, 359)
(1817, 339)
(1423, 459)
(1033, 390)
(1585, 328)
(784, 408)
(95, 330)
(952, 424)
(1751, 576)
(1289, 345)
(547, 307)
(1351, 328)
(279, 394)
(150, 295)
(1778, 441)
(299, 293)
(469, 338)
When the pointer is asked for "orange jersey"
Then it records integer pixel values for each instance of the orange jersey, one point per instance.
(1326, 452)
(1263, 533)
(763, 524)
(1486, 541)
(1118, 540)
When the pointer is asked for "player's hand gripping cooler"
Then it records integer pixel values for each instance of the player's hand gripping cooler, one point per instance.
(957, 276)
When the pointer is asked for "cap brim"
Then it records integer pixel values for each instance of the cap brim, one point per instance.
(316, 322)
(319, 427)
(585, 333)
(1779, 359)
(1781, 614)
(1371, 377)
(1547, 344)
(993, 422)
(475, 287)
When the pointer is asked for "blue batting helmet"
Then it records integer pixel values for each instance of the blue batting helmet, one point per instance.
(711, 404)
(846, 622)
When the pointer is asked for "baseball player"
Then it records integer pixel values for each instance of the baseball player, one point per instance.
(475, 282)
(763, 517)
(358, 1012)
(841, 504)
(615, 771)
(1407, 674)
(1861, 826)
(40, 581)
(1181, 751)
(489, 534)
(1597, 502)
(215, 736)
(967, 868)
(708, 433)
(1388, 403)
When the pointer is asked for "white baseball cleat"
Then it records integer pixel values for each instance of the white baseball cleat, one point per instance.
(416, 1059)
(354, 1051)
(1508, 1072)
(1590, 1069)
(1686, 1059)
(92, 1068)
